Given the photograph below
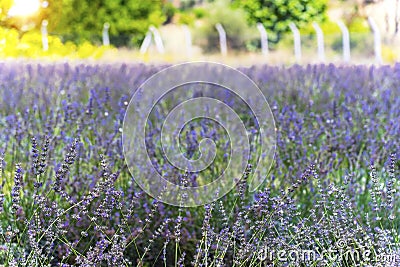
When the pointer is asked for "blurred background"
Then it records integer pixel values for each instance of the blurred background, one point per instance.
(241, 32)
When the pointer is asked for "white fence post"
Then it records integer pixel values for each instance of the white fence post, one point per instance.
(264, 38)
(157, 39)
(146, 43)
(106, 38)
(222, 39)
(45, 40)
(297, 41)
(345, 41)
(320, 41)
(377, 40)
(188, 40)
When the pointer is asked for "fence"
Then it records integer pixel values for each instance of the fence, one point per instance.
(349, 47)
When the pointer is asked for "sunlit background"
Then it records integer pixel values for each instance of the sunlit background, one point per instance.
(23, 8)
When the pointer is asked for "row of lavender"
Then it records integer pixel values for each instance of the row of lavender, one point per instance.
(68, 199)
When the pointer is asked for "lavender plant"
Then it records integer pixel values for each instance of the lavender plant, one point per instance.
(68, 199)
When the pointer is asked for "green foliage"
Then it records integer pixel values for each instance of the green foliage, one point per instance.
(199, 12)
(359, 25)
(186, 18)
(327, 26)
(129, 19)
(169, 11)
(187, 4)
(234, 23)
(276, 15)
(30, 45)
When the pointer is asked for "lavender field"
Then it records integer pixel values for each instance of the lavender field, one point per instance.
(331, 197)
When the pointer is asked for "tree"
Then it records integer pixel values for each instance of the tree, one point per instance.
(82, 20)
(276, 15)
